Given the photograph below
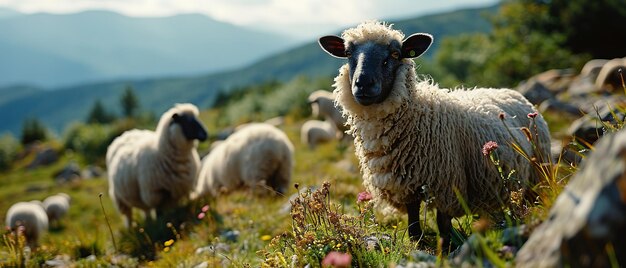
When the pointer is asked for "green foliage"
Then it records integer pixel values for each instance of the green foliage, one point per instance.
(99, 114)
(129, 102)
(33, 130)
(9, 147)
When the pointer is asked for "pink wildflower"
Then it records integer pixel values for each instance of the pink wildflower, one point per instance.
(532, 115)
(489, 147)
(205, 208)
(337, 259)
(364, 196)
(201, 215)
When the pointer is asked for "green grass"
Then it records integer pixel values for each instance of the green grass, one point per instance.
(242, 229)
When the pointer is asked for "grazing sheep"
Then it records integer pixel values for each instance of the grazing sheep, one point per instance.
(314, 132)
(32, 216)
(153, 169)
(322, 104)
(258, 154)
(418, 142)
(56, 206)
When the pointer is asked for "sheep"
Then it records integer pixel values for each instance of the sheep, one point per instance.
(152, 169)
(258, 154)
(32, 216)
(56, 206)
(417, 142)
(314, 132)
(322, 104)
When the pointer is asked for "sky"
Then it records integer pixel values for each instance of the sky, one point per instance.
(297, 18)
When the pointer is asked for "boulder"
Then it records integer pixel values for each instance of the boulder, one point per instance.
(45, 156)
(586, 227)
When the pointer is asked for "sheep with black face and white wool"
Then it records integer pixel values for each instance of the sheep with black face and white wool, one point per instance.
(416, 141)
(257, 155)
(155, 169)
(56, 206)
(323, 104)
(314, 132)
(31, 216)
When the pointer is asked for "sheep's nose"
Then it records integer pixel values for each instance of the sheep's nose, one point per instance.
(364, 82)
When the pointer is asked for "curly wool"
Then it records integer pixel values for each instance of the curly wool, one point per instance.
(32, 216)
(423, 141)
(149, 169)
(258, 153)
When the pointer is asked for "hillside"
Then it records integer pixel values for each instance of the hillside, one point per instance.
(52, 50)
(57, 108)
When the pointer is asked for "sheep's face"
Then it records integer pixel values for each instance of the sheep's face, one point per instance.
(373, 65)
(190, 126)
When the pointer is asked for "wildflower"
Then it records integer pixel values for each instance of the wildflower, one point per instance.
(337, 259)
(364, 196)
(532, 115)
(296, 185)
(489, 147)
(166, 249)
(201, 215)
(266, 237)
(205, 208)
(169, 242)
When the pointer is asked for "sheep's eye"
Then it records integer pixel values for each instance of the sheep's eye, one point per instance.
(395, 55)
(348, 54)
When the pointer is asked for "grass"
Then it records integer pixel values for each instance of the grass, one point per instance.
(322, 215)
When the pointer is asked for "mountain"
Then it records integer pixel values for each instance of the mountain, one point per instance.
(59, 107)
(51, 50)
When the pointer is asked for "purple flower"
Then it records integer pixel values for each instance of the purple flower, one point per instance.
(364, 196)
(489, 147)
(337, 259)
(532, 115)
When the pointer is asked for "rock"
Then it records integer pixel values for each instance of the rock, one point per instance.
(588, 219)
(582, 85)
(231, 235)
(45, 156)
(70, 172)
(559, 106)
(592, 68)
(535, 91)
(91, 172)
(373, 242)
(211, 249)
(608, 113)
(609, 77)
(58, 261)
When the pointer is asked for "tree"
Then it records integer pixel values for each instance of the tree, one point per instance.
(129, 102)
(33, 130)
(99, 115)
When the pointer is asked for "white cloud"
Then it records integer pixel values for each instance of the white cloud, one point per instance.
(291, 16)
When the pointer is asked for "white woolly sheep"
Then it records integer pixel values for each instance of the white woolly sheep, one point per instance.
(416, 141)
(323, 104)
(56, 206)
(32, 216)
(258, 154)
(314, 132)
(155, 169)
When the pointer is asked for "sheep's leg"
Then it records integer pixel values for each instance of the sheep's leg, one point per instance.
(413, 209)
(127, 212)
(444, 224)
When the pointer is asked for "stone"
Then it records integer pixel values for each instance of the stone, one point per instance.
(586, 226)
(45, 156)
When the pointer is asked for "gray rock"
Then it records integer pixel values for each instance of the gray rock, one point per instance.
(373, 242)
(91, 172)
(592, 67)
(45, 156)
(588, 216)
(535, 91)
(70, 172)
(556, 105)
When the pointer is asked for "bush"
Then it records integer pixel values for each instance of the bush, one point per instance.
(8, 151)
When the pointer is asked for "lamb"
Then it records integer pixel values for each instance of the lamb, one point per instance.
(155, 169)
(322, 104)
(31, 216)
(314, 132)
(258, 154)
(56, 206)
(416, 141)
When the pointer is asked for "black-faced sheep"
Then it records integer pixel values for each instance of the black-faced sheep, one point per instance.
(32, 216)
(154, 169)
(416, 141)
(56, 206)
(314, 132)
(257, 155)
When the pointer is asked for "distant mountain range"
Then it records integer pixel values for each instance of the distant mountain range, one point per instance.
(51, 50)
(59, 107)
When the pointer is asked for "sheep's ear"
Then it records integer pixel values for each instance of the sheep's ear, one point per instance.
(416, 44)
(333, 45)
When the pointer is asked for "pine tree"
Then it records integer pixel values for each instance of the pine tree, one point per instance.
(99, 115)
(129, 102)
